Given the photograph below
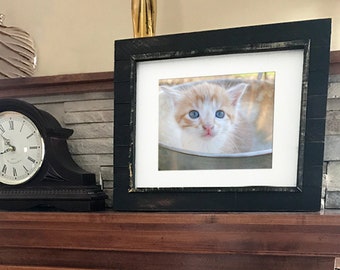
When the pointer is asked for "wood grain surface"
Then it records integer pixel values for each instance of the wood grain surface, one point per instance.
(112, 240)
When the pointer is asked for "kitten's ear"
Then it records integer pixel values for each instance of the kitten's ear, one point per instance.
(170, 92)
(236, 92)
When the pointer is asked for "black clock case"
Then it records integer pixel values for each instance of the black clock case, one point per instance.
(60, 184)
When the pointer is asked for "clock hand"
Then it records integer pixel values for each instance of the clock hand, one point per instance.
(10, 149)
(6, 150)
(7, 142)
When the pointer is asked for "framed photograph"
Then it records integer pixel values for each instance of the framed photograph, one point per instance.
(222, 120)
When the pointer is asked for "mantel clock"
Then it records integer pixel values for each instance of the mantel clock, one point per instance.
(36, 167)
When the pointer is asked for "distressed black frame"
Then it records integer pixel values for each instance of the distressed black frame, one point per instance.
(312, 36)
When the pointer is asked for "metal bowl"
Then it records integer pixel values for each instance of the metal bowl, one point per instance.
(176, 159)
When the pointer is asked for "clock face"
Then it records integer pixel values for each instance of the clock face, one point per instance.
(22, 148)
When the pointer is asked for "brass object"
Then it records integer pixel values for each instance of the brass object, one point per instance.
(144, 13)
(17, 52)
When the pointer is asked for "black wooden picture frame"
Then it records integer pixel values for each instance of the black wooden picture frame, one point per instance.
(311, 37)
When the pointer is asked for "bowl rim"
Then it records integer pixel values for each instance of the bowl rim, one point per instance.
(232, 155)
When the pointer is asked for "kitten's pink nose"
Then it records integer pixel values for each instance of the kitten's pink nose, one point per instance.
(208, 129)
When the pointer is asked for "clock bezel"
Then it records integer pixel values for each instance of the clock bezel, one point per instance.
(17, 181)
(37, 119)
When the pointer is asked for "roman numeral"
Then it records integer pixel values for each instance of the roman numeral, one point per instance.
(31, 159)
(11, 125)
(23, 123)
(29, 136)
(34, 147)
(4, 169)
(15, 172)
(2, 128)
(25, 168)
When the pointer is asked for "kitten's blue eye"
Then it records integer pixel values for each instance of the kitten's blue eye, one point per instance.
(194, 114)
(220, 114)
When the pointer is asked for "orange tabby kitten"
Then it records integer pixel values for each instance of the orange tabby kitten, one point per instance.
(205, 117)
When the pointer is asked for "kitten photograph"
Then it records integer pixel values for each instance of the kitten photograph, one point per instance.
(216, 117)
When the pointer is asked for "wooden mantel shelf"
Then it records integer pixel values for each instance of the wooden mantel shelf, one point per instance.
(111, 240)
(56, 85)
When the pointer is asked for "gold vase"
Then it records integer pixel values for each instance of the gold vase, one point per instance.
(144, 13)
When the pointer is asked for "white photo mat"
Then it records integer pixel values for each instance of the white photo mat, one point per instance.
(288, 68)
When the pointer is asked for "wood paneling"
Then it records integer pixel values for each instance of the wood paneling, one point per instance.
(56, 85)
(334, 67)
(170, 240)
